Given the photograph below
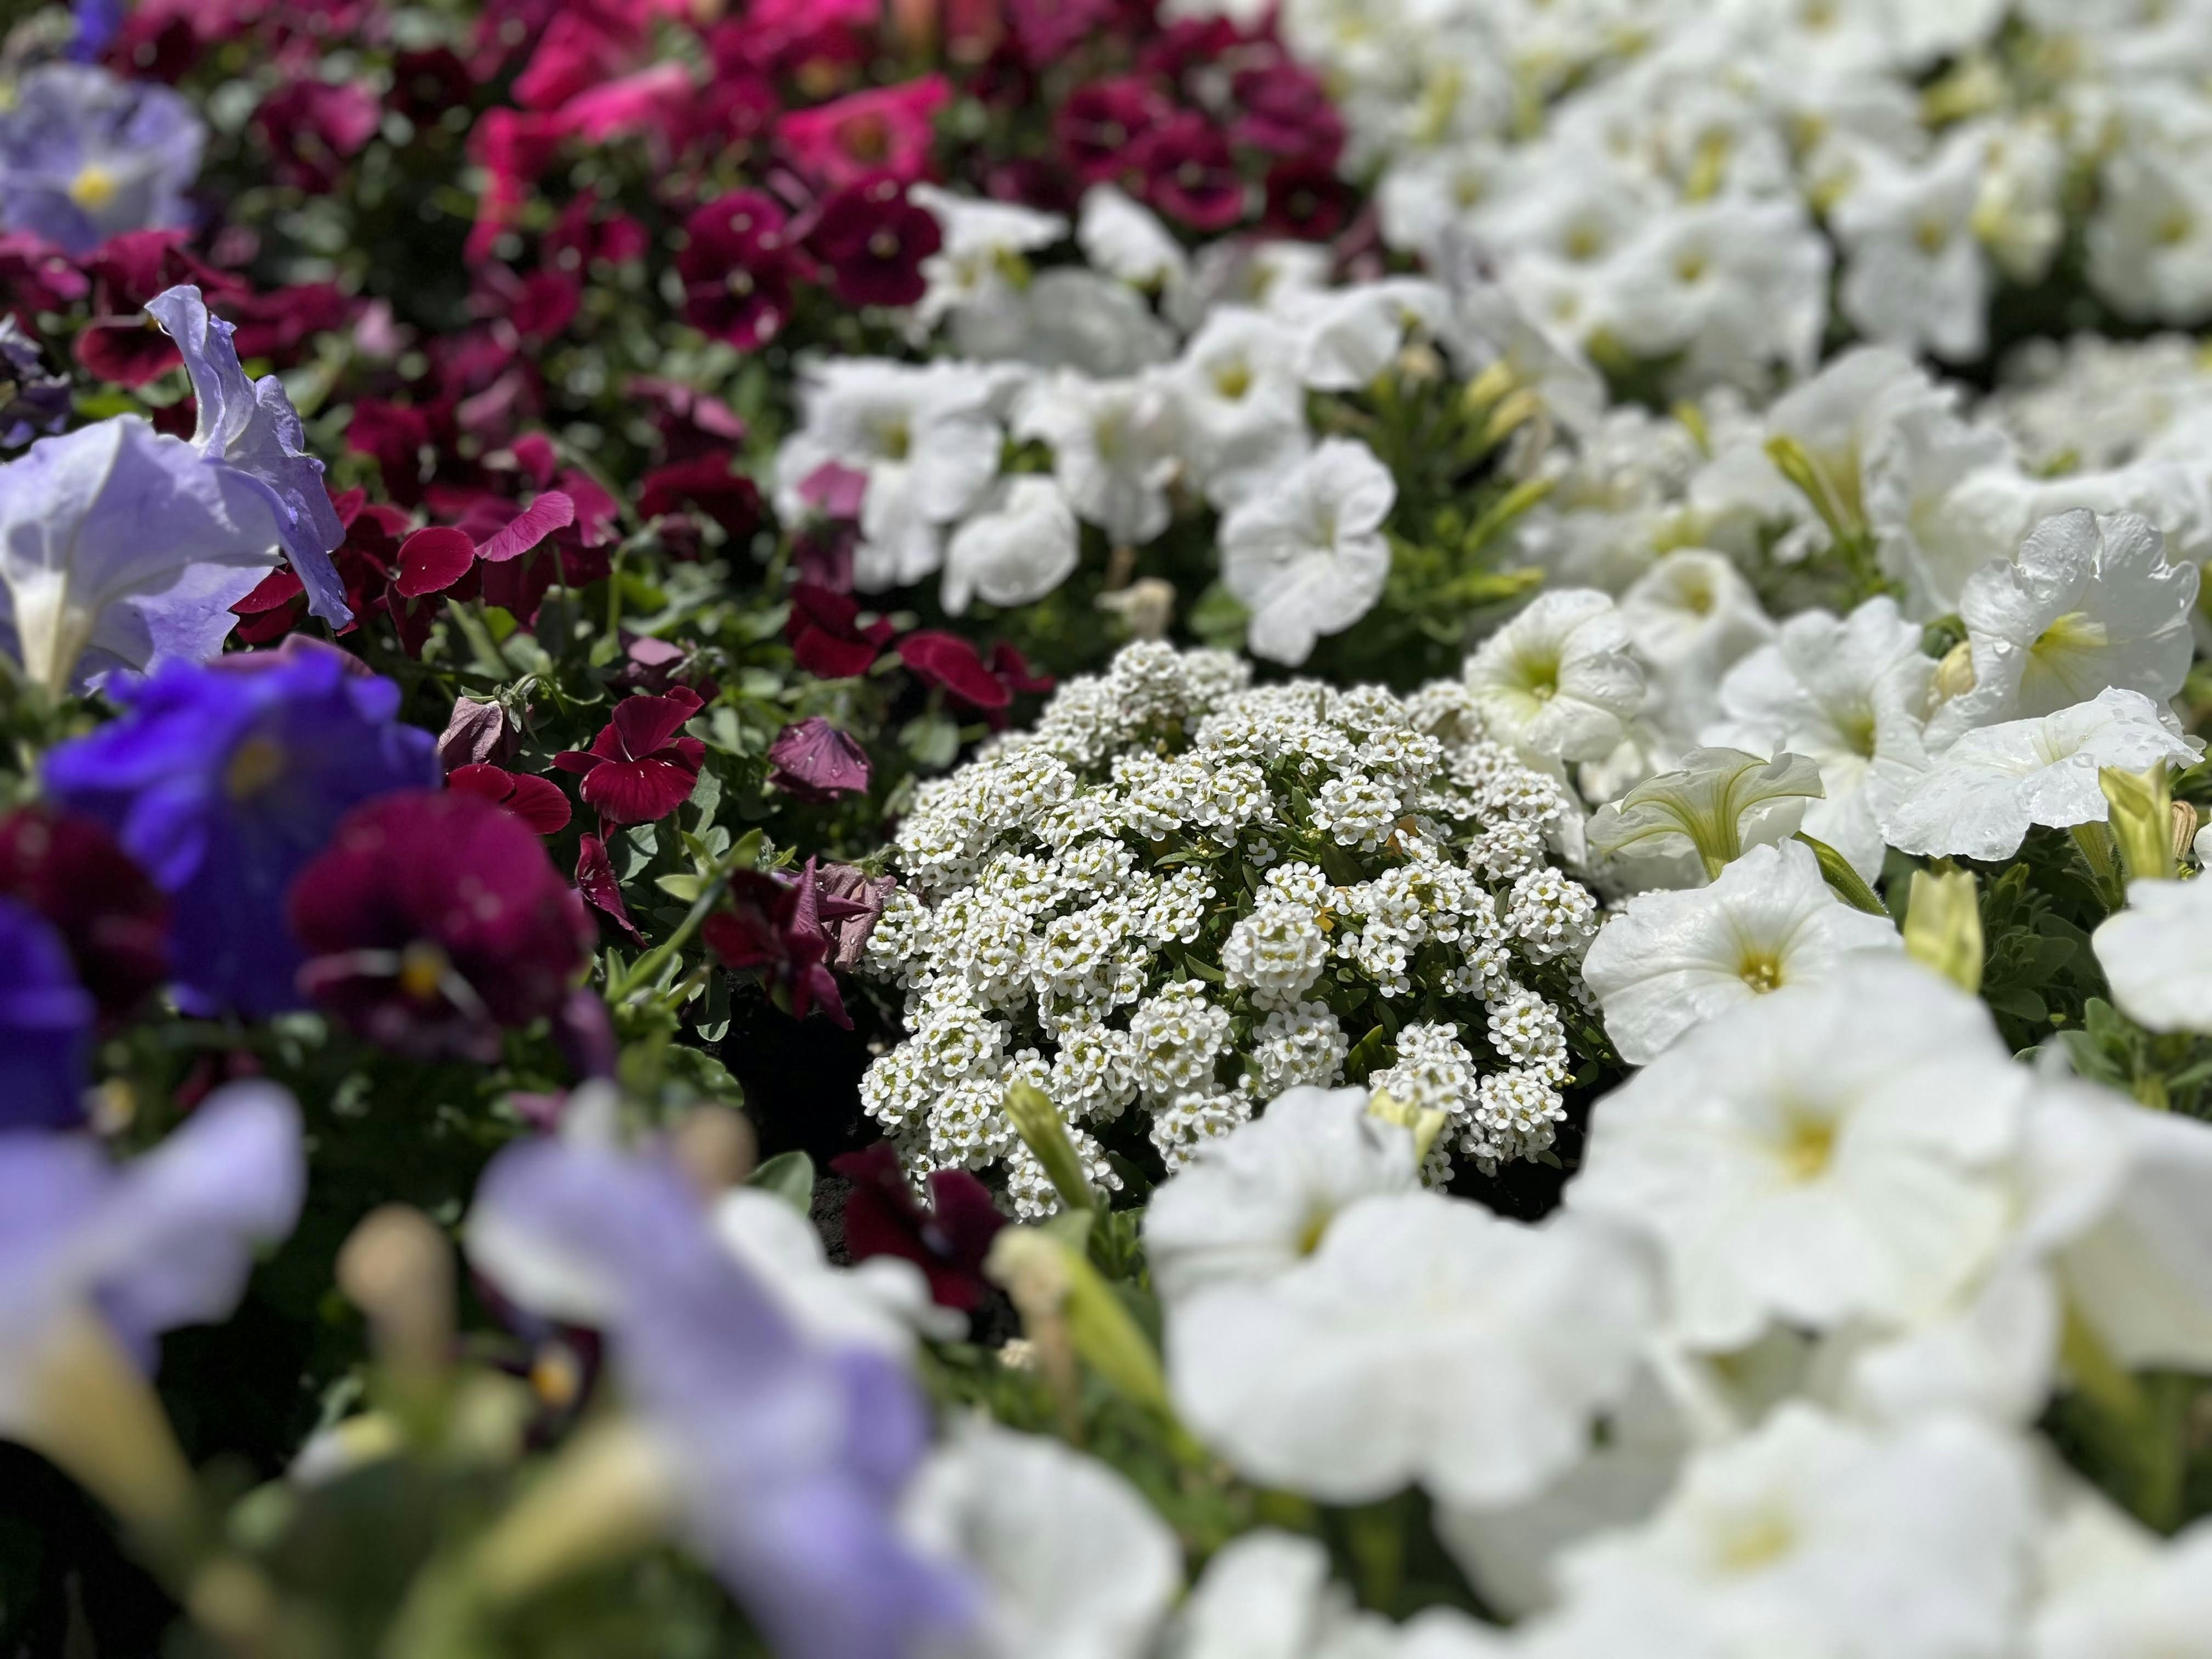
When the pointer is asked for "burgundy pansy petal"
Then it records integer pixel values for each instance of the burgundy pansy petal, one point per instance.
(646, 724)
(552, 511)
(639, 791)
(494, 783)
(948, 662)
(433, 560)
(948, 1240)
(539, 802)
(595, 881)
(816, 762)
(1013, 669)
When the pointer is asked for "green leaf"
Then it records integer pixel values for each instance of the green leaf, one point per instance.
(790, 1176)
(683, 885)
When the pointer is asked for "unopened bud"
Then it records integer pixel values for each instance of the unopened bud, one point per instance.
(1954, 675)
(397, 1267)
(1146, 607)
(1943, 927)
(2185, 821)
(716, 1149)
(2140, 819)
(1038, 1122)
(1426, 1123)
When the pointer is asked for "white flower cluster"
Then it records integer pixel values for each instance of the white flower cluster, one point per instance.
(1186, 894)
(1672, 180)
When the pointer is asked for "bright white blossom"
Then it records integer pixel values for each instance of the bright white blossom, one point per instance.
(2157, 955)
(1306, 556)
(1560, 680)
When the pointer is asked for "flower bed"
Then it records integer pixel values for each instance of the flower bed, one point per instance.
(1104, 829)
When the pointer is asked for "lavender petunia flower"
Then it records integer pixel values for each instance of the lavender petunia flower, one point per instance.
(32, 401)
(85, 156)
(789, 1457)
(222, 782)
(97, 1260)
(251, 427)
(46, 1026)
(122, 548)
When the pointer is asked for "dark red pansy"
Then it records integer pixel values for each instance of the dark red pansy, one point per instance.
(35, 276)
(595, 881)
(951, 663)
(706, 483)
(1190, 173)
(275, 325)
(433, 560)
(739, 263)
(1097, 125)
(826, 635)
(538, 802)
(874, 240)
(433, 919)
(109, 914)
(775, 925)
(313, 127)
(551, 510)
(425, 84)
(1014, 671)
(947, 1239)
(121, 342)
(637, 769)
(1306, 200)
(814, 761)
(394, 436)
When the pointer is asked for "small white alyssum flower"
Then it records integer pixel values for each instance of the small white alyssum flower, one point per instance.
(1184, 895)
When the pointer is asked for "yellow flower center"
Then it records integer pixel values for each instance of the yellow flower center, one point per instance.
(93, 188)
(1753, 1542)
(254, 765)
(1808, 1144)
(421, 970)
(1761, 972)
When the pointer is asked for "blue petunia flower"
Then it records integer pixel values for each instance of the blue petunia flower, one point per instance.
(46, 1026)
(120, 548)
(222, 781)
(97, 23)
(788, 1457)
(251, 427)
(85, 156)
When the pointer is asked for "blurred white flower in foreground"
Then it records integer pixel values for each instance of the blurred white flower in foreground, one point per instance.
(1018, 547)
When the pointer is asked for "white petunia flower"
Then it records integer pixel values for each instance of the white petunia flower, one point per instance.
(1017, 547)
(1424, 1339)
(1980, 797)
(2113, 1590)
(1257, 1201)
(1348, 336)
(1815, 1536)
(982, 238)
(881, 1304)
(1074, 1564)
(1306, 555)
(1561, 680)
(1267, 1596)
(1915, 276)
(1125, 239)
(2157, 955)
(1241, 407)
(1848, 693)
(2089, 602)
(1672, 961)
(1832, 1152)
(1113, 447)
(928, 438)
(1692, 617)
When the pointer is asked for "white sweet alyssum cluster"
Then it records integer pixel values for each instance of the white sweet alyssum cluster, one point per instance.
(1186, 894)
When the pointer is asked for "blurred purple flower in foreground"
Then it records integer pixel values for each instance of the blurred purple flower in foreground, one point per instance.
(85, 156)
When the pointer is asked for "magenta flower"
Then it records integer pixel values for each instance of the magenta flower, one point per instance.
(885, 129)
(874, 240)
(816, 762)
(433, 920)
(313, 128)
(738, 268)
(775, 924)
(637, 769)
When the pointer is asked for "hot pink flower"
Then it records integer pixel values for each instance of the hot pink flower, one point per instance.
(637, 769)
(885, 129)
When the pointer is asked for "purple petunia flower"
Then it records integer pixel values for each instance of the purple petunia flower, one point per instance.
(251, 428)
(46, 1026)
(222, 782)
(85, 156)
(788, 1457)
(120, 548)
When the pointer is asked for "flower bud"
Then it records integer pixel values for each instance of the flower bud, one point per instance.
(1038, 1123)
(398, 1269)
(1426, 1124)
(1943, 927)
(2141, 820)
